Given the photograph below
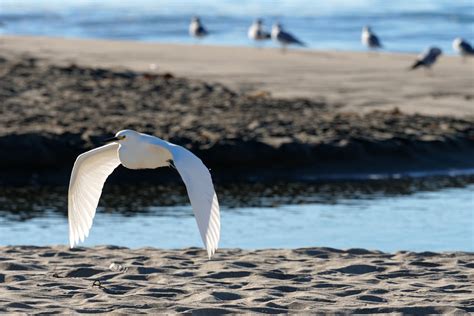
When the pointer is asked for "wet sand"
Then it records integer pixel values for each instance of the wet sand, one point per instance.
(309, 280)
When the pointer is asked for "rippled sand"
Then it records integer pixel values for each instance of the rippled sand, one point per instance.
(308, 280)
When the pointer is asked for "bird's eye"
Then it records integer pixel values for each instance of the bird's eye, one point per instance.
(123, 137)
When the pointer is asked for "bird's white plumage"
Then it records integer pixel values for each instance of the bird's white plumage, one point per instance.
(257, 33)
(88, 176)
(197, 179)
(138, 151)
(369, 39)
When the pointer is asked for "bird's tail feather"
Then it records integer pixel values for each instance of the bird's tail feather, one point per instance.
(417, 64)
(301, 43)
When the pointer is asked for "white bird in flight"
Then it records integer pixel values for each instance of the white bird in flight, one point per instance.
(284, 38)
(196, 28)
(256, 31)
(369, 39)
(140, 151)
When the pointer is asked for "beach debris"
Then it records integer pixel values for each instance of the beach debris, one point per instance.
(117, 267)
(259, 94)
(168, 76)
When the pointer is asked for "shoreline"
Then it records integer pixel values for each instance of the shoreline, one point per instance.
(362, 50)
(106, 279)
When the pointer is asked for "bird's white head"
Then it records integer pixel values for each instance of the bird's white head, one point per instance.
(366, 29)
(258, 21)
(195, 19)
(457, 41)
(277, 27)
(123, 136)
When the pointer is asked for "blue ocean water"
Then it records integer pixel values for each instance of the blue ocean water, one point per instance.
(423, 215)
(403, 25)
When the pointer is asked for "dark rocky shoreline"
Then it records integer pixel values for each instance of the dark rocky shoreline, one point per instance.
(50, 113)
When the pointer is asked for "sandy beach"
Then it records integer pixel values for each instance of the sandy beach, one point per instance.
(55, 280)
(60, 97)
(359, 82)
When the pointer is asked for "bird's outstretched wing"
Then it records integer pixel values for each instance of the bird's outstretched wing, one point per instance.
(88, 176)
(201, 193)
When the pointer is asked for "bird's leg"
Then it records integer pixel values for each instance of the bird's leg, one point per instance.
(171, 164)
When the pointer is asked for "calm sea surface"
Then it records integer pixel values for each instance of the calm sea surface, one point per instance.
(403, 25)
(432, 214)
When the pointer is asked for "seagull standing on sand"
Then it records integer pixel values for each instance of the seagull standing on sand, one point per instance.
(427, 59)
(257, 33)
(196, 29)
(140, 151)
(463, 47)
(369, 39)
(284, 38)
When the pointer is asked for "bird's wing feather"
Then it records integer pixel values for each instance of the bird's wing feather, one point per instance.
(466, 47)
(88, 176)
(198, 181)
(289, 38)
(374, 40)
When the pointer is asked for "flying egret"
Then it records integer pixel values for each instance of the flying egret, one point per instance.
(196, 29)
(427, 58)
(463, 47)
(369, 39)
(256, 31)
(284, 38)
(140, 151)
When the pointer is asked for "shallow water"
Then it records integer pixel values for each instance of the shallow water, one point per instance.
(404, 25)
(430, 214)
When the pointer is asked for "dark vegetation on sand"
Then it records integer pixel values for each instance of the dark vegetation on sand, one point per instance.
(50, 113)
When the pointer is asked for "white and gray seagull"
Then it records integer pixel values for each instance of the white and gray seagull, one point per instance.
(427, 58)
(369, 39)
(196, 28)
(140, 151)
(256, 31)
(463, 47)
(284, 38)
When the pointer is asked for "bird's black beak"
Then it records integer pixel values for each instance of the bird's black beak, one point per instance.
(111, 139)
